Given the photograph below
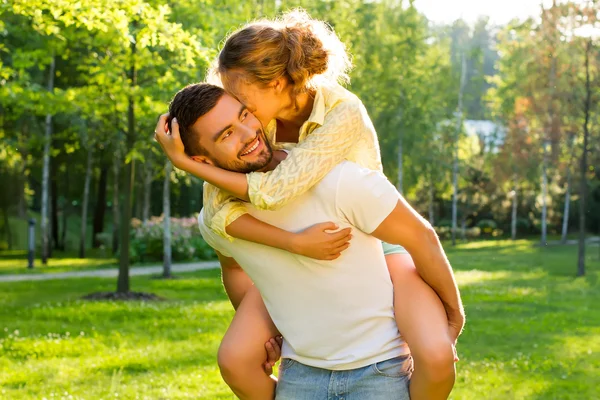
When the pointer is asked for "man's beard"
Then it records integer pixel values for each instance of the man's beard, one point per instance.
(246, 167)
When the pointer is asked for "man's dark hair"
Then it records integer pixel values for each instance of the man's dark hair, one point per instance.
(189, 104)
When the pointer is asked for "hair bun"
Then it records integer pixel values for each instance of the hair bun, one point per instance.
(294, 46)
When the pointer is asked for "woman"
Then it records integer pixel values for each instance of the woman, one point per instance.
(286, 72)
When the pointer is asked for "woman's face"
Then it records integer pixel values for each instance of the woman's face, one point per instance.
(265, 102)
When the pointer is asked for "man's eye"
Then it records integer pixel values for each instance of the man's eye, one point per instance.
(227, 134)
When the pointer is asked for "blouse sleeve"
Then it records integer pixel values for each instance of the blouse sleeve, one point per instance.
(220, 209)
(313, 158)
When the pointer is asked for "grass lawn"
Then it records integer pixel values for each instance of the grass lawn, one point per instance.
(533, 332)
(15, 262)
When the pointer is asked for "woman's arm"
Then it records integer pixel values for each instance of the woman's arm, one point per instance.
(327, 145)
(342, 130)
(306, 165)
(315, 241)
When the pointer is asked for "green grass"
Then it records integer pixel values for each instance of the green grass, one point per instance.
(533, 332)
(15, 262)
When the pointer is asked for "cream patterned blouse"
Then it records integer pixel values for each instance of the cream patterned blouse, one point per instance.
(338, 129)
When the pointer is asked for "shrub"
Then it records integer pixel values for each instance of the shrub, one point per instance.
(186, 242)
(487, 226)
(444, 223)
(472, 233)
(523, 225)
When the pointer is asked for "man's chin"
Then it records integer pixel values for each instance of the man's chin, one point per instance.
(246, 166)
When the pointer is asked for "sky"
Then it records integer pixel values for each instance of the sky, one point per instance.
(499, 11)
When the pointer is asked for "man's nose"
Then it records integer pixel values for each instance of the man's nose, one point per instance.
(247, 132)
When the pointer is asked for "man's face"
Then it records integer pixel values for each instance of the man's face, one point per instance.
(233, 138)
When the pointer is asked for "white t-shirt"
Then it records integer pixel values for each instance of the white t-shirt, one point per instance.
(335, 315)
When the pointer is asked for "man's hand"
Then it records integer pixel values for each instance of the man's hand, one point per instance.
(456, 322)
(273, 347)
(316, 242)
(171, 142)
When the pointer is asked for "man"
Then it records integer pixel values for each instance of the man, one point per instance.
(341, 339)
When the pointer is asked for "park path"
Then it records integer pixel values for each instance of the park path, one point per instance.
(110, 273)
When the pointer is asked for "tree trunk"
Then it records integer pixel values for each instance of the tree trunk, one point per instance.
(463, 77)
(54, 208)
(147, 191)
(8, 231)
(65, 208)
(22, 206)
(544, 240)
(128, 178)
(46, 168)
(565, 224)
(513, 218)
(86, 197)
(167, 221)
(116, 214)
(100, 208)
(583, 179)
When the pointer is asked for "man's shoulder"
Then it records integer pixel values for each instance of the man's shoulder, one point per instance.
(340, 171)
(351, 171)
(348, 174)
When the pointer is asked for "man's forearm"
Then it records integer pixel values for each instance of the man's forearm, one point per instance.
(433, 266)
(404, 226)
(231, 182)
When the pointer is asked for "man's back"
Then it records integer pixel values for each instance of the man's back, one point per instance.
(333, 314)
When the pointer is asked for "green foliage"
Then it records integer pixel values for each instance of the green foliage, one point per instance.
(487, 226)
(406, 72)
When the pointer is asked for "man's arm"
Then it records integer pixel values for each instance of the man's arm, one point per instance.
(404, 226)
(235, 280)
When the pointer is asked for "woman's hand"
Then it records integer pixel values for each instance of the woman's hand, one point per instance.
(316, 242)
(273, 348)
(171, 142)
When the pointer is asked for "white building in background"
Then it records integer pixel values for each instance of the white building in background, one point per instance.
(490, 134)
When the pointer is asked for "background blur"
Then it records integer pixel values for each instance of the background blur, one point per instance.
(488, 117)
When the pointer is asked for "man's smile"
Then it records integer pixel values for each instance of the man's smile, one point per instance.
(252, 147)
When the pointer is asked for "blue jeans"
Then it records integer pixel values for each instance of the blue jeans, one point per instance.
(385, 380)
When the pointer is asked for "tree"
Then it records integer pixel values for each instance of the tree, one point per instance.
(167, 221)
(459, 122)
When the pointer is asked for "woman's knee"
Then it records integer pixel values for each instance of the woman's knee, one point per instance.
(436, 360)
(230, 363)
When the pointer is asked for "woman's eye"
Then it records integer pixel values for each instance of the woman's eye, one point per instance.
(244, 115)
(227, 134)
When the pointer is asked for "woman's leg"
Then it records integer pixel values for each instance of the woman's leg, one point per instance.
(422, 322)
(242, 352)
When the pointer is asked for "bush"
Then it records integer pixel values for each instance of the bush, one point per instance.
(444, 223)
(443, 232)
(523, 225)
(186, 242)
(473, 233)
(487, 226)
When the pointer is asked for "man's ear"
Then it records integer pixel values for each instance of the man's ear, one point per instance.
(202, 159)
